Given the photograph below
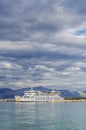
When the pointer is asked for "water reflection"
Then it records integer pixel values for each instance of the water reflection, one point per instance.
(44, 116)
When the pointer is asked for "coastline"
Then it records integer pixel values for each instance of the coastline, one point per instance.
(65, 100)
(75, 100)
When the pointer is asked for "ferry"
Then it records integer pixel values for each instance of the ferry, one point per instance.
(38, 96)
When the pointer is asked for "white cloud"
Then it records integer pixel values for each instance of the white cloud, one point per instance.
(9, 65)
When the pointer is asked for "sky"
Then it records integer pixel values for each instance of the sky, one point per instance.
(43, 43)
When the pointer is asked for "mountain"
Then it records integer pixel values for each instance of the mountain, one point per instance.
(6, 93)
(69, 94)
(10, 93)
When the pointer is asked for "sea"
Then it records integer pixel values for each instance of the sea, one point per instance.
(42, 116)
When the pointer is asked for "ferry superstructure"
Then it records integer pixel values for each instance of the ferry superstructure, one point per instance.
(38, 96)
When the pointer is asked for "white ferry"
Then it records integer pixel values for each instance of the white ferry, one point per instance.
(38, 96)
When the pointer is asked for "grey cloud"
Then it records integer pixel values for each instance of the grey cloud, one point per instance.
(44, 27)
(40, 54)
(22, 18)
(76, 5)
(45, 30)
(40, 70)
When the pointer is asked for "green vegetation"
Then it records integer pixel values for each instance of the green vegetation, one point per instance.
(75, 98)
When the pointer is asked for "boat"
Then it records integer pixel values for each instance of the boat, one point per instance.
(38, 96)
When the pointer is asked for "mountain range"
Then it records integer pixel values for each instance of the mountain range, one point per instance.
(10, 93)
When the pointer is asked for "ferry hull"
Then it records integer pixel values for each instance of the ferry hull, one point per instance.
(36, 99)
(34, 96)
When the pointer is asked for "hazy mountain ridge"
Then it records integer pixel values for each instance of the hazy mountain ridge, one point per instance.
(10, 93)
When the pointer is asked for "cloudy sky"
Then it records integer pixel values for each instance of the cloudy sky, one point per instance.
(43, 42)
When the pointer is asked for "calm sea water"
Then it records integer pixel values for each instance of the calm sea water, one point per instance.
(42, 116)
